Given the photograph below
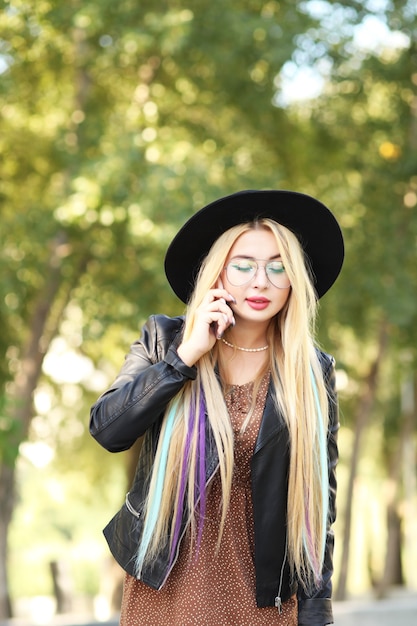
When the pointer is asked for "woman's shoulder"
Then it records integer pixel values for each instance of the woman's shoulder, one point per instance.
(165, 324)
(161, 330)
(327, 361)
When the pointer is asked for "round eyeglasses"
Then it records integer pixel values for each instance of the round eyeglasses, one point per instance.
(241, 271)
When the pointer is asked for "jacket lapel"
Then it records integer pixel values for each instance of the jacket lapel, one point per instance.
(271, 424)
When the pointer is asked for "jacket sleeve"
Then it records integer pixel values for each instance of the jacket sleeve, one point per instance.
(151, 376)
(315, 609)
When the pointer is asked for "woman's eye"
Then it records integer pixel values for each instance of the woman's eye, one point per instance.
(276, 268)
(243, 267)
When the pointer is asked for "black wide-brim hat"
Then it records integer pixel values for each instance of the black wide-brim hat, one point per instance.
(311, 221)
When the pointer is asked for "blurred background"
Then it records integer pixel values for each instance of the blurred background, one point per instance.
(117, 121)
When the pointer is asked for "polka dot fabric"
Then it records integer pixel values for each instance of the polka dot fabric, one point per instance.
(217, 588)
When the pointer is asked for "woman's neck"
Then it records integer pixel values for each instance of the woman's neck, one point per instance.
(238, 367)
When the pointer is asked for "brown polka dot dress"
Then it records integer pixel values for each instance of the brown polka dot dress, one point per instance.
(217, 588)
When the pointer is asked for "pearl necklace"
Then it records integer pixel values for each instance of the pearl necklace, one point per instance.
(232, 345)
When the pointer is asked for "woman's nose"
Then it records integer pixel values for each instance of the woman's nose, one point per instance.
(261, 277)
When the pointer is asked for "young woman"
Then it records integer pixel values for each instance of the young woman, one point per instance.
(228, 519)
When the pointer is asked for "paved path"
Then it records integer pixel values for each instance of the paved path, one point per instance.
(401, 611)
(396, 611)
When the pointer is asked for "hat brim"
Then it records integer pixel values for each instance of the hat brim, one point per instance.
(310, 220)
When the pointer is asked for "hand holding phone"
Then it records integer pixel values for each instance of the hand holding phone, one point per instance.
(212, 318)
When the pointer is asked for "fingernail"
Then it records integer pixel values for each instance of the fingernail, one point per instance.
(220, 336)
(233, 299)
(233, 322)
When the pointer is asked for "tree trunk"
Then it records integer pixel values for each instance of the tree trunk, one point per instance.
(43, 327)
(393, 569)
(48, 311)
(62, 585)
(362, 419)
(7, 500)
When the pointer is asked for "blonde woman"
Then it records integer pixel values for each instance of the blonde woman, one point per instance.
(228, 520)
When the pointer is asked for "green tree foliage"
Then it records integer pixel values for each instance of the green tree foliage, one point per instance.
(368, 111)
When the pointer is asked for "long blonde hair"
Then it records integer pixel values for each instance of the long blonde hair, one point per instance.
(177, 484)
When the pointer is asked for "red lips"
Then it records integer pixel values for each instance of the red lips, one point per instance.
(258, 303)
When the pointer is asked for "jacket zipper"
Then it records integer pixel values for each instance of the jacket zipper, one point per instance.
(130, 507)
(278, 600)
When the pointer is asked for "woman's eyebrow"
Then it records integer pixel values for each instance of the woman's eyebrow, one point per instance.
(252, 258)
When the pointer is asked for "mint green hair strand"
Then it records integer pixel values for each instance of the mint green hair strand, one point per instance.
(155, 504)
(324, 477)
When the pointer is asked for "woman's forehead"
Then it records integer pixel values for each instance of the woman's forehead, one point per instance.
(259, 243)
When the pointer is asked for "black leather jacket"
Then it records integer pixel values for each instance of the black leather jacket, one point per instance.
(153, 373)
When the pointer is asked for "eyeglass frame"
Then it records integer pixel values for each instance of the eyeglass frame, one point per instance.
(265, 266)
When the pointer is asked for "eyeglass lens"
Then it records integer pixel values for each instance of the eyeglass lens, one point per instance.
(241, 271)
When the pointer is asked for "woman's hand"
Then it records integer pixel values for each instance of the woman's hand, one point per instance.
(212, 318)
